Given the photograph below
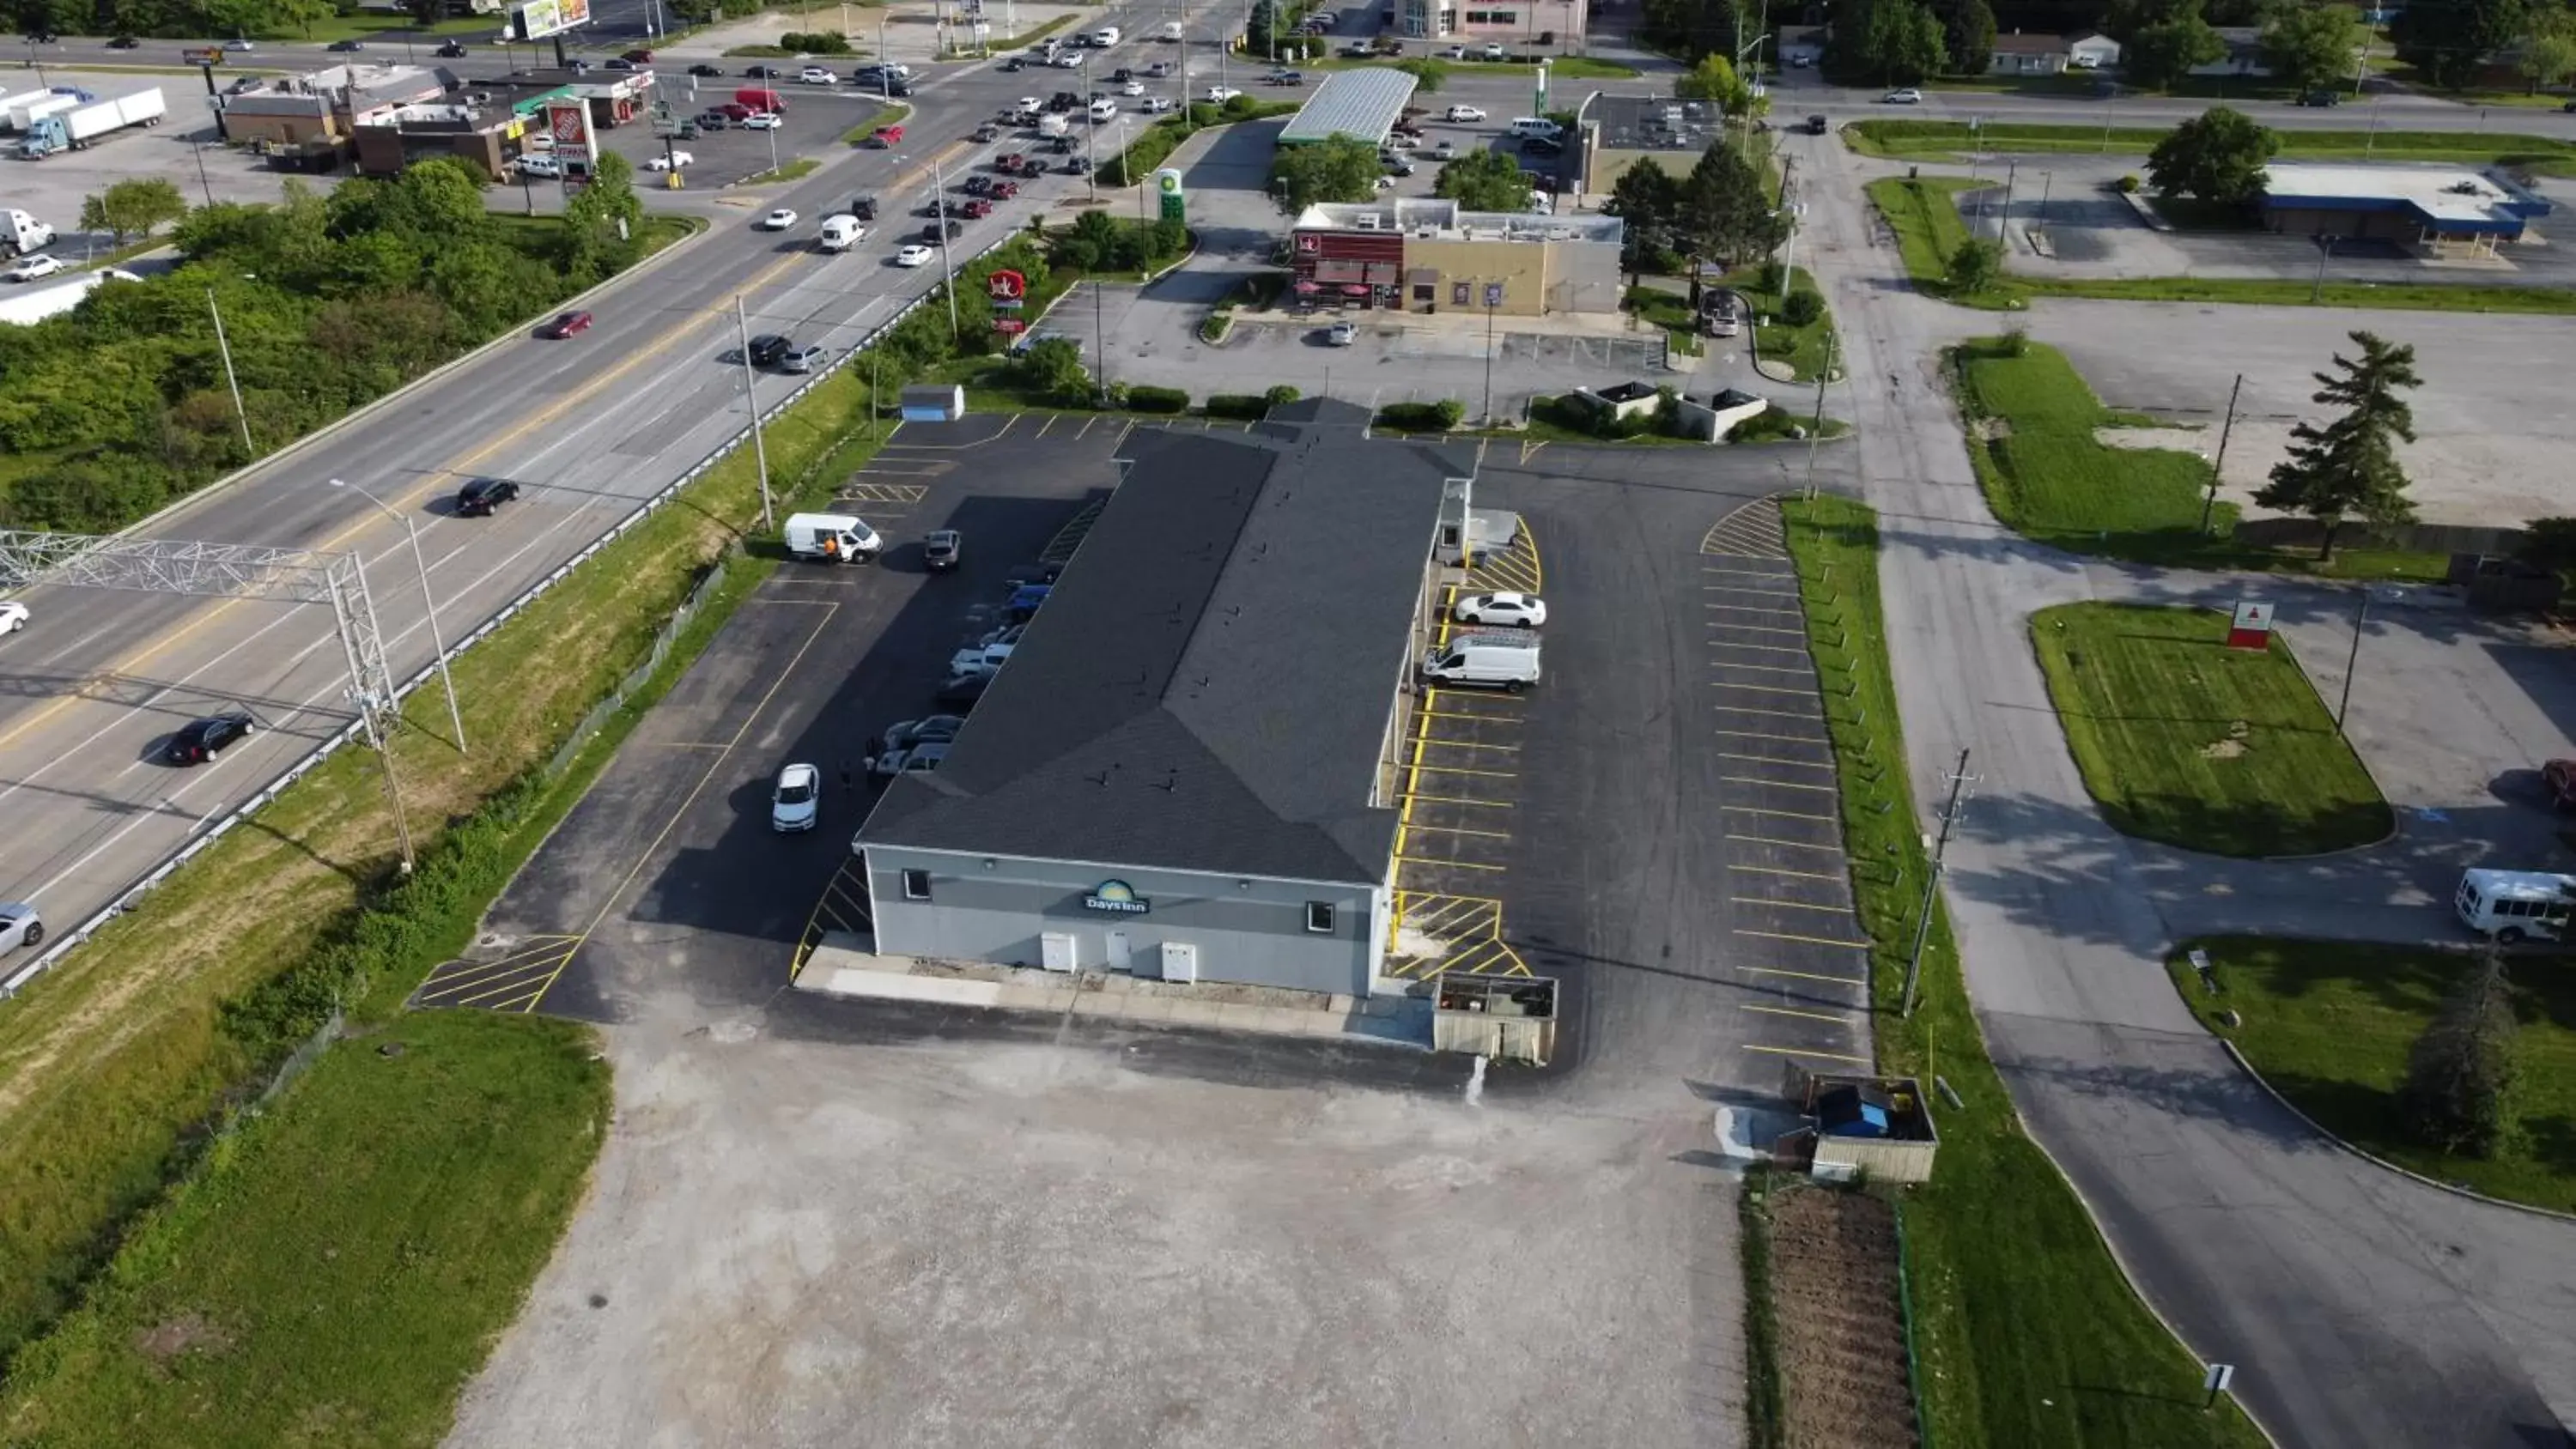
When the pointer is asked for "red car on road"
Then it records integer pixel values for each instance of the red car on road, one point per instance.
(1003, 190)
(887, 136)
(1008, 162)
(978, 209)
(569, 324)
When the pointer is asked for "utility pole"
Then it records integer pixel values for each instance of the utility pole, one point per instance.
(2325, 250)
(948, 269)
(2003, 223)
(1816, 429)
(1960, 779)
(751, 400)
(230, 379)
(2209, 505)
(1490, 299)
(1789, 243)
(2360, 621)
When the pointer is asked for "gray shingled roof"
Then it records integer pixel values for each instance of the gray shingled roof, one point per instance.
(1208, 686)
(1363, 103)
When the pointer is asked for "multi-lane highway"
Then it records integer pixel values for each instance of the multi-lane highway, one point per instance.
(586, 427)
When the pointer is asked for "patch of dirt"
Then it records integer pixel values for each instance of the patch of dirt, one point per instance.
(1842, 1335)
(2232, 747)
(166, 1341)
(1989, 429)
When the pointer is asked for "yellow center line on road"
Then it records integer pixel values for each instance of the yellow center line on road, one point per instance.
(1803, 1052)
(1839, 1019)
(362, 521)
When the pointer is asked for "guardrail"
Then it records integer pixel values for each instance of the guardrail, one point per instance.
(127, 898)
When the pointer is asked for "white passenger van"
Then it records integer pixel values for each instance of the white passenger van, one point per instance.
(2515, 905)
(1525, 127)
(1105, 37)
(1489, 661)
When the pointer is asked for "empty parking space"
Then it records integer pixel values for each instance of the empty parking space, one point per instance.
(1799, 951)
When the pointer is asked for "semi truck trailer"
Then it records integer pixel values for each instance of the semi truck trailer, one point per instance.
(84, 124)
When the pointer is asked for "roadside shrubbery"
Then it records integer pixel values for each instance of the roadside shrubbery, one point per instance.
(1144, 399)
(815, 42)
(1421, 417)
(1251, 407)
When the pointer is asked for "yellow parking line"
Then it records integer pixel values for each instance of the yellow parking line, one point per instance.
(1463, 830)
(1504, 716)
(1473, 745)
(1461, 800)
(1761, 688)
(1783, 814)
(1774, 784)
(1838, 1019)
(1436, 860)
(1839, 910)
(1834, 846)
(1776, 760)
(1802, 671)
(1792, 936)
(1427, 768)
(1781, 870)
(1803, 1052)
(1805, 975)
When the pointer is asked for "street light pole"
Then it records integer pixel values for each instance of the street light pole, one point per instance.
(751, 400)
(939, 201)
(2325, 250)
(1816, 429)
(232, 381)
(428, 602)
(1959, 778)
(2360, 621)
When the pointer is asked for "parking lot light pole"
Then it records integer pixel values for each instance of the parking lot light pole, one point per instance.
(947, 268)
(230, 379)
(428, 602)
(751, 400)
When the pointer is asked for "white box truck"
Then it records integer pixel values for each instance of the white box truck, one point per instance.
(832, 538)
(84, 124)
(1487, 661)
(11, 101)
(21, 234)
(30, 111)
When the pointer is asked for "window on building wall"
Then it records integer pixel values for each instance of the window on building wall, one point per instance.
(916, 885)
(1459, 293)
(1319, 917)
(1493, 17)
(1423, 292)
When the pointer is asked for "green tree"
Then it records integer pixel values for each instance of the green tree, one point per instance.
(132, 208)
(1337, 168)
(1976, 267)
(2458, 1089)
(1690, 29)
(1427, 74)
(1647, 200)
(2548, 543)
(2549, 48)
(1484, 181)
(1090, 244)
(2312, 47)
(1714, 79)
(1899, 42)
(2216, 156)
(2350, 465)
(2158, 56)
(1967, 34)
(1052, 369)
(2448, 40)
(1725, 213)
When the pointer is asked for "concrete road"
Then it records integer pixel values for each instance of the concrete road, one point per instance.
(587, 427)
(2359, 1306)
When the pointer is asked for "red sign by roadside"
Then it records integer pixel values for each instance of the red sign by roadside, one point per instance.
(1008, 326)
(2251, 626)
(1007, 286)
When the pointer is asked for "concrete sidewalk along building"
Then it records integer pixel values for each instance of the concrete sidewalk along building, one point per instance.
(1426, 255)
(2435, 210)
(1187, 768)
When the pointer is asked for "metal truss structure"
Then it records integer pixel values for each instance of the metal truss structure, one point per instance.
(232, 571)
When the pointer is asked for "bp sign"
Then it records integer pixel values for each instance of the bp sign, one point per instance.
(1167, 185)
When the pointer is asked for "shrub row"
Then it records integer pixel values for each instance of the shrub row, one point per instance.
(1253, 406)
(1420, 417)
(1145, 153)
(1144, 399)
(815, 42)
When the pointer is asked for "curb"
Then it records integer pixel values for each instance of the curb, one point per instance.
(2373, 1158)
(514, 333)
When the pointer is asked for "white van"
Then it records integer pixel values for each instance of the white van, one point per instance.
(1105, 37)
(1490, 661)
(1103, 109)
(1171, 30)
(2515, 905)
(1524, 127)
(832, 537)
(1054, 124)
(840, 233)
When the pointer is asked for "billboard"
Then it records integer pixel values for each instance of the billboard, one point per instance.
(536, 19)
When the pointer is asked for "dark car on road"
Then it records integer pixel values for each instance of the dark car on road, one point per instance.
(345, 47)
(452, 50)
(201, 740)
(124, 42)
(567, 324)
(864, 207)
(767, 348)
(932, 235)
(764, 72)
(704, 69)
(478, 498)
(2320, 98)
(941, 548)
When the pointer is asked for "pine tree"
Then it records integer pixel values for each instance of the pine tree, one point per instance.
(2459, 1074)
(2350, 465)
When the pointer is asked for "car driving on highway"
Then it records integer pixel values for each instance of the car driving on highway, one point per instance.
(32, 268)
(914, 254)
(565, 324)
(481, 496)
(13, 617)
(779, 220)
(20, 926)
(201, 740)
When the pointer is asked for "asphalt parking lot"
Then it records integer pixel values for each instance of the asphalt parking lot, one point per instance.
(51, 190)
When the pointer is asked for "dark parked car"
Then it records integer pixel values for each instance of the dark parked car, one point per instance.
(713, 120)
(1541, 146)
(941, 548)
(480, 497)
(201, 740)
(864, 207)
(961, 691)
(567, 324)
(768, 348)
(1076, 166)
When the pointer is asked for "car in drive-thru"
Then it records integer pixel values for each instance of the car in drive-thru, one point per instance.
(831, 538)
(2515, 905)
(796, 802)
(1485, 661)
(941, 548)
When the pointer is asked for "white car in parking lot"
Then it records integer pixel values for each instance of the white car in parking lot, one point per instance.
(547, 167)
(1132, 88)
(1157, 105)
(670, 161)
(914, 255)
(779, 220)
(1219, 95)
(1460, 114)
(797, 800)
(1521, 611)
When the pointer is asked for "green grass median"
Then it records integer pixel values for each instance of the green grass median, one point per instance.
(2328, 1024)
(417, 1177)
(2027, 1331)
(2187, 741)
(1953, 140)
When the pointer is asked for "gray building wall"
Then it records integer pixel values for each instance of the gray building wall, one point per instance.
(1250, 930)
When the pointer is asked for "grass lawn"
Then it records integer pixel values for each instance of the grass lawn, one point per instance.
(1804, 349)
(346, 1258)
(891, 114)
(2027, 1332)
(2329, 1023)
(2184, 740)
(111, 1062)
(2046, 475)
(796, 170)
(377, 29)
(1952, 140)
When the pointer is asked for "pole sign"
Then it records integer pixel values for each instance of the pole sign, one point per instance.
(1007, 288)
(568, 122)
(1541, 108)
(1167, 185)
(202, 57)
(2251, 627)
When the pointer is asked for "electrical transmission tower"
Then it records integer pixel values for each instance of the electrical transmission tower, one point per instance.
(234, 571)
